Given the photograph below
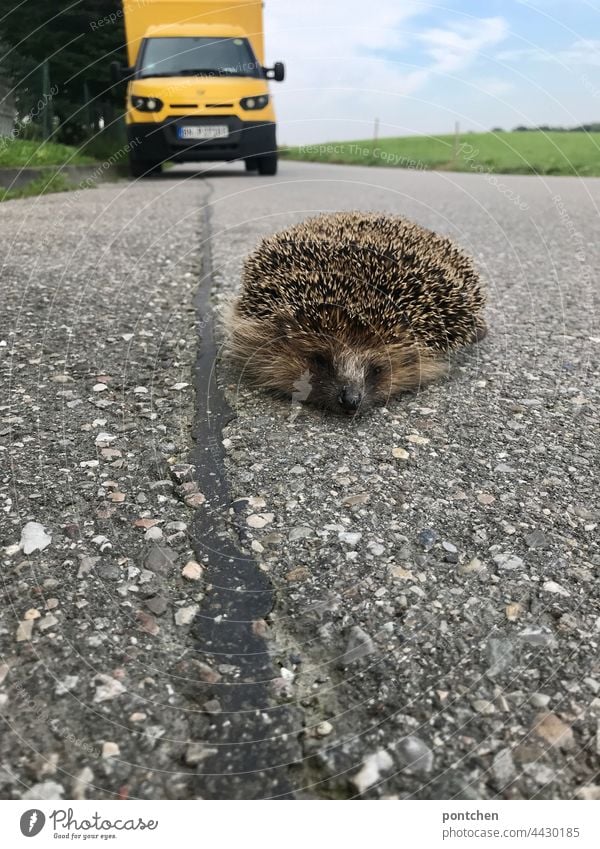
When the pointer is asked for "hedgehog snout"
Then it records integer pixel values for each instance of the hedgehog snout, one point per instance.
(350, 398)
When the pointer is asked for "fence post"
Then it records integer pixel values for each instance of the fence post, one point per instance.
(47, 100)
(375, 138)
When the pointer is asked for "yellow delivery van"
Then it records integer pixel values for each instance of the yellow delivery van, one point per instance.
(198, 88)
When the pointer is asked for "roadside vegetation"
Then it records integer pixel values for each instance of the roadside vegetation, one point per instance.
(532, 152)
(53, 181)
(22, 153)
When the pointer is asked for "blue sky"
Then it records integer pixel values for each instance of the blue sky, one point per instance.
(420, 66)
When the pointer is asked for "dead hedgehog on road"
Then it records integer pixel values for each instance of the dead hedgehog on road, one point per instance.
(345, 310)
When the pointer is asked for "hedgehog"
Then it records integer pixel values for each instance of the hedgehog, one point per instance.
(346, 310)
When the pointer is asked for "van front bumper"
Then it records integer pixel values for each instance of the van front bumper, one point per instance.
(155, 141)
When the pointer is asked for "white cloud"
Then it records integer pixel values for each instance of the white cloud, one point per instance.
(454, 48)
(584, 51)
(345, 67)
(495, 86)
(316, 29)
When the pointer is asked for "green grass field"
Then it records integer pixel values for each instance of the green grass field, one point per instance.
(575, 153)
(49, 183)
(18, 153)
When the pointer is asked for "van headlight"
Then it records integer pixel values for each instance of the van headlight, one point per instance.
(258, 102)
(146, 104)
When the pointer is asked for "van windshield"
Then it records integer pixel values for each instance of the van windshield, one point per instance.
(184, 56)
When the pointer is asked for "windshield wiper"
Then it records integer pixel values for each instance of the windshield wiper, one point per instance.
(199, 72)
(195, 72)
(158, 74)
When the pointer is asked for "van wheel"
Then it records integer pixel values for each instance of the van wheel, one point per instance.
(251, 164)
(144, 167)
(267, 165)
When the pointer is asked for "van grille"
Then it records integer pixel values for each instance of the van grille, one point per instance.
(184, 105)
(219, 105)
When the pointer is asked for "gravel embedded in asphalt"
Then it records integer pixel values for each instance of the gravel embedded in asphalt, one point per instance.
(434, 563)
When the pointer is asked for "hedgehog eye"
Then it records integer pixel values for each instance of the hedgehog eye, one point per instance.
(375, 370)
(319, 360)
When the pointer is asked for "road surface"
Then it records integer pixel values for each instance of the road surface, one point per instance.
(232, 597)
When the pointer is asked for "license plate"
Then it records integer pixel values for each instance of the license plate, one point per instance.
(215, 131)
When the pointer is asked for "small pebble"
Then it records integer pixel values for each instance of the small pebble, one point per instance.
(300, 532)
(426, 538)
(483, 706)
(554, 731)
(198, 752)
(359, 646)
(351, 538)
(536, 539)
(110, 750)
(24, 630)
(474, 566)
(185, 615)
(257, 520)
(34, 537)
(503, 768)
(49, 621)
(553, 587)
(370, 772)
(415, 755)
(513, 611)
(192, 571)
(508, 561)
(108, 688)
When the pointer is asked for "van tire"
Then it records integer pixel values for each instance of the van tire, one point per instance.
(267, 165)
(141, 168)
(251, 164)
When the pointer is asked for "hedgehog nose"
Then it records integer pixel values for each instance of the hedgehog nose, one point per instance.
(350, 398)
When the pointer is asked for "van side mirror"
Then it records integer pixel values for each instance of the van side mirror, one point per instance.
(277, 72)
(119, 72)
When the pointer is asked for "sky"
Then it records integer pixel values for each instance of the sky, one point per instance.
(420, 67)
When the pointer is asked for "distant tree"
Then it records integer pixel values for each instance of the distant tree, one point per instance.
(78, 40)
(497, 130)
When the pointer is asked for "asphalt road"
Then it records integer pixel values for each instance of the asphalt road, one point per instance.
(242, 598)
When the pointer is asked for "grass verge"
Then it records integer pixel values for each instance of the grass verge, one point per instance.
(48, 183)
(20, 153)
(566, 153)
